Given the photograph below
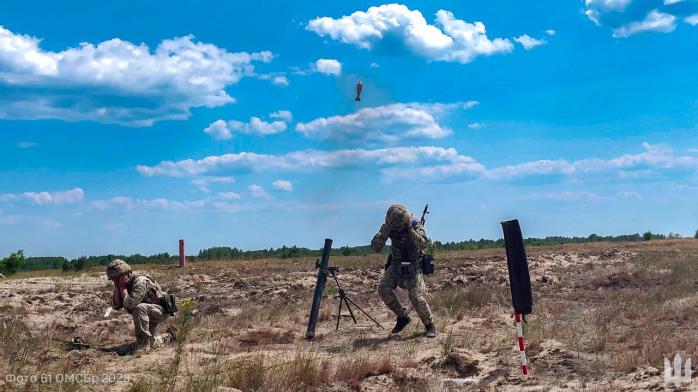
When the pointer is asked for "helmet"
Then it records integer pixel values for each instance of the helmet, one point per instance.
(397, 217)
(117, 267)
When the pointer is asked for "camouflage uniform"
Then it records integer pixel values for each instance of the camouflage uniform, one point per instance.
(407, 242)
(144, 305)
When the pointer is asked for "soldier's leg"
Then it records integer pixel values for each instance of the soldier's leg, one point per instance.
(141, 326)
(146, 318)
(152, 327)
(156, 314)
(417, 291)
(386, 289)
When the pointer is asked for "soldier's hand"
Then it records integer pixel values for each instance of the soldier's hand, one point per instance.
(121, 280)
(123, 290)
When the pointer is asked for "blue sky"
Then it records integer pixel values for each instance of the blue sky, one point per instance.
(126, 125)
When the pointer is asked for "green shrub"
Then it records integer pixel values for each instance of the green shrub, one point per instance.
(13, 263)
(647, 235)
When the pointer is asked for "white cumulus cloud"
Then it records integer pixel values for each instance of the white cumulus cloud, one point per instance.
(218, 130)
(71, 196)
(390, 161)
(449, 39)
(528, 42)
(282, 185)
(428, 163)
(284, 115)
(223, 130)
(89, 81)
(121, 201)
(280, 80)
(654, 21)
(387, 123)
(203, 182)
(653, 158)
(328, 66)
(229, 195)
(257, 126)
(129, 203)
(258, 192)
(629, 17)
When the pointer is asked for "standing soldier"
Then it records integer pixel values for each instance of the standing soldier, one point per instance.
(140, 295)
(403, 269)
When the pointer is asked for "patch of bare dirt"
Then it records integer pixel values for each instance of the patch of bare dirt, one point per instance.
(605, 315)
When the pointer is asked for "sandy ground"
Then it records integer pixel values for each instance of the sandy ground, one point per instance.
(605, 316)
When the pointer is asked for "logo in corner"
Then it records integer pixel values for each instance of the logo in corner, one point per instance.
(672, 374)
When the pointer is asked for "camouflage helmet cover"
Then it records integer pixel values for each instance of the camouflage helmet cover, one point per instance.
(117, 267)
(397, 217)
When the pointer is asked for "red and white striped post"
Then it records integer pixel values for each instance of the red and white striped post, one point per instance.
(520, 339)
(182, 257)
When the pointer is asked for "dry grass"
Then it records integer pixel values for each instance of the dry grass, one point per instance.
(603, 319)
(299, 372)
(247, 374)
(26, 351)
(169, 373)
(357, 369)
(16, 348)
(625, 316)
(265, 336)
(407, 381)
(455, 301)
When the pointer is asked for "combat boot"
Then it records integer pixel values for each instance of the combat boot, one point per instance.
(174, 332)
(401, 324)
(431, 331)
(142, 345)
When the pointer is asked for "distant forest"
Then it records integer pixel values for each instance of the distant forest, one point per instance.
(18, 262)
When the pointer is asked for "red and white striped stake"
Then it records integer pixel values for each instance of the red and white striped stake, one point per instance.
(520, 339)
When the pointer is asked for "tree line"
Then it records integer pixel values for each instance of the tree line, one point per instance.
(17, 261)
(284, 252)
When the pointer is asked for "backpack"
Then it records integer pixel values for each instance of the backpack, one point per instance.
(427, 264)
(169, 303)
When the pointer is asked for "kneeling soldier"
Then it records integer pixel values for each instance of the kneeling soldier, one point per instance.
(408, 240)
(141, 296)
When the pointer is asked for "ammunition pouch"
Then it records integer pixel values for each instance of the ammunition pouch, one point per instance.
(407, 269)
(169, 303)
(427, 264)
